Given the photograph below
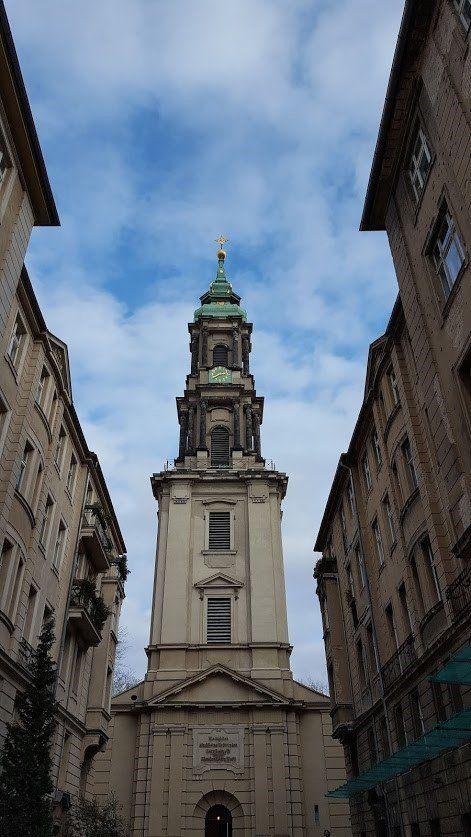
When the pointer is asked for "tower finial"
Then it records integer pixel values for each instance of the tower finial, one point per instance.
(221, 253)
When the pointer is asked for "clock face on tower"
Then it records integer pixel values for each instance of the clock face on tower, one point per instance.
(220, 375)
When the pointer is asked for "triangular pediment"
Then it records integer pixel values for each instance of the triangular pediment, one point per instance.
(218, 685)
(61, 358)
(218, 580)
(375, 355)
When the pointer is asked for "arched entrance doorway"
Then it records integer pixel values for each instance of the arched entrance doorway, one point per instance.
(218, 822)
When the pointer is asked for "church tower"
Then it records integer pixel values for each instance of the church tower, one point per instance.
(219, 738)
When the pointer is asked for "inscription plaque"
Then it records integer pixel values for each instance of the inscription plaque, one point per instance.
(218, 748)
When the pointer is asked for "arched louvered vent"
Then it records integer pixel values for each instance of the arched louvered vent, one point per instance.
(220, 448)
(218, 626)
(220, 355)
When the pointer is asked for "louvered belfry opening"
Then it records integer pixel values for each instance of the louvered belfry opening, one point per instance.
(220, 447)
(218, 627)
(220, 355)
(219, 530)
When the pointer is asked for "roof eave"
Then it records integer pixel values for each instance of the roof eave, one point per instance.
(22, 127)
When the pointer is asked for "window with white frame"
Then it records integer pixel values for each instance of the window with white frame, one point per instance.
(393, 386)
(361, 565)
(377, 448)
(419, 163)
(16, 342)
(46, 521)
(431, 570)
(325, 611)
(463, 7)
(351, 581)
(410, 465)
(343, 522)
(406, 616)
(60, 447)
(71, 474)
(447, 251)
(218, 620)
(17, 585)
(390, 519)
(351, 497)
(378, 542)
(25, 462)
(41, 387)
(219, 530)
(59, 545)
(367, 472)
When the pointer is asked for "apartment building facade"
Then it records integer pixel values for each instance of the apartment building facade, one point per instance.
(394, 580)
(62, 552)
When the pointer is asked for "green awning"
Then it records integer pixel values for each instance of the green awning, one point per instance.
(456, 670)
(444, 736)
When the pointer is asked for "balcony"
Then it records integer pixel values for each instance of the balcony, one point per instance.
(399, 662)
(87, 611)
(26, 654)
(459, 593)
(95, 538)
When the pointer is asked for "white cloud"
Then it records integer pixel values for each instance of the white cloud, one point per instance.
(164, 124)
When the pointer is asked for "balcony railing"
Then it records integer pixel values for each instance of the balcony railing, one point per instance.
(26, 654)
(93, 517)
(399, 662)
(84, 597)
(459, 593)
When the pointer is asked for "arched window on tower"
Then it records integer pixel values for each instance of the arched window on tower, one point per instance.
(220, 447)
(220, 355)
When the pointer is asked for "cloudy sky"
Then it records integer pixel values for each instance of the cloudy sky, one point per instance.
(165, 123)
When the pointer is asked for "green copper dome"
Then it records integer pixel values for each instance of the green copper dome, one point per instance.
(220, 300)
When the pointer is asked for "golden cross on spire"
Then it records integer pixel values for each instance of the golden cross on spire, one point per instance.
(221, 241)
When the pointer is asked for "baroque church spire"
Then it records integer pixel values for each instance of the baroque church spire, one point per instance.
(220, 413)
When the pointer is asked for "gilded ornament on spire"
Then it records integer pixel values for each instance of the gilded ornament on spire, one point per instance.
(221, 241)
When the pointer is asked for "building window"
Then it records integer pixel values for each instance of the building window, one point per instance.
(60, 447)
(406, 617)
(325, 613)
(390, 623)
(377, 449)
(71, 474)
(414, 829)
(410, 466)
(316, 815)
(351, 497)
(351, 582)
(463, 7)
(383, 737)
(373, 756)
(343, 524)
(16, 591)
(378, 542)
(361, 565)
(390, 520)
(59, 545)
(401, 733)
(218, 620)
(416, 714)
(370, 647)
(25, 462)
(367, 472)
(41, 388)
(438, 701)
(16, 342)
(219, 530)
(46, 522)
(353, 752)
(361, 664)
(418, 587)
(220, 447)
(431, 570)
(435, 827)
(447, 251)
(393, 385)
(220, 355)
(77, 671)
(30, 614)
(419, 164)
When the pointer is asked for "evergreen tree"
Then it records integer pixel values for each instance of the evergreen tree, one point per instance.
(89, 819)
(25, 763)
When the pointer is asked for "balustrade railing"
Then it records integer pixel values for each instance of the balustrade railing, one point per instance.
(85, 596)
(459, 592)
(399, 662)
(26, 654)
(93, 518)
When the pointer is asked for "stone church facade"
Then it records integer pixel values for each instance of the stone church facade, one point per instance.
(219, 738)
